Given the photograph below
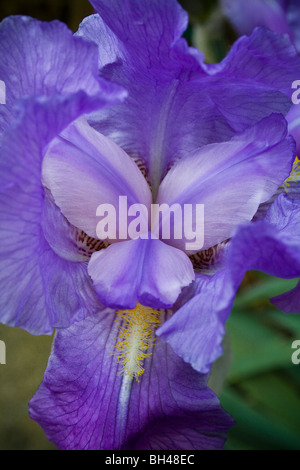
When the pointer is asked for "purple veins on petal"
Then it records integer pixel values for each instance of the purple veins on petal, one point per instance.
(176, 103)
(184, 132)
(232, 178)
(36, 283)
(84, 404)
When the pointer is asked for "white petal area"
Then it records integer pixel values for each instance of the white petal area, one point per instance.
(84, 169)
(230, 179)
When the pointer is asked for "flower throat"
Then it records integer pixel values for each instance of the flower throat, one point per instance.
(136, 337)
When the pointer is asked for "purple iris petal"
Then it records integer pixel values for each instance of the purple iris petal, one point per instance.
(284, 209)
(176, 103)
(231, 179)
(197, 329)
(246, 171)
(247, 15)
(271, 246)
(281, 16)
(39, 59)
(293, 119)
(293, 16)
(83, 169)
(289, 302)
(83, 403)
(143, 270)
(59, 233)
(40, 290)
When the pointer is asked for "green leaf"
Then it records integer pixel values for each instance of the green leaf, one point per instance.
(254, 429)
(264, 290)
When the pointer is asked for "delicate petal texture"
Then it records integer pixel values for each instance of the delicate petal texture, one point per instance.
(95, 30)
(288, 212)
(38, 289)
(293, 16)
(289, 302)
(259, 58)
(293, 119)
(176, 103)
(231, 179)
(281, 16)
(84, 169)
(196, 330)
(247, 15)
(83, 404)
(271, 246)
(144, 24)
(59, 233)
(143, 270)
(40, 59)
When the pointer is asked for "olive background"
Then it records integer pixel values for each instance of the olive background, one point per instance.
(262, 390)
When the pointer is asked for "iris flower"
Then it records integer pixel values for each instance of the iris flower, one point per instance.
(126, 108)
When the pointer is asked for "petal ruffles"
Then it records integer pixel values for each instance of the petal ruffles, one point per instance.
(176, 103)
(271, 246)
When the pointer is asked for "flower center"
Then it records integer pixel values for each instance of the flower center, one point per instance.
(136, 337)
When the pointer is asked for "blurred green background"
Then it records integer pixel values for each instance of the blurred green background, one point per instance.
(262, 390)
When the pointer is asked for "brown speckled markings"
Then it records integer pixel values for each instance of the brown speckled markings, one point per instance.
(207, 259)
(141, 166)
(88, 245)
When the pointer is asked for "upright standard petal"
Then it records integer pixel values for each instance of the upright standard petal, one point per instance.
(39, 59)
(231, 179)
(83, 169)
(83, 404)
(176, 103)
